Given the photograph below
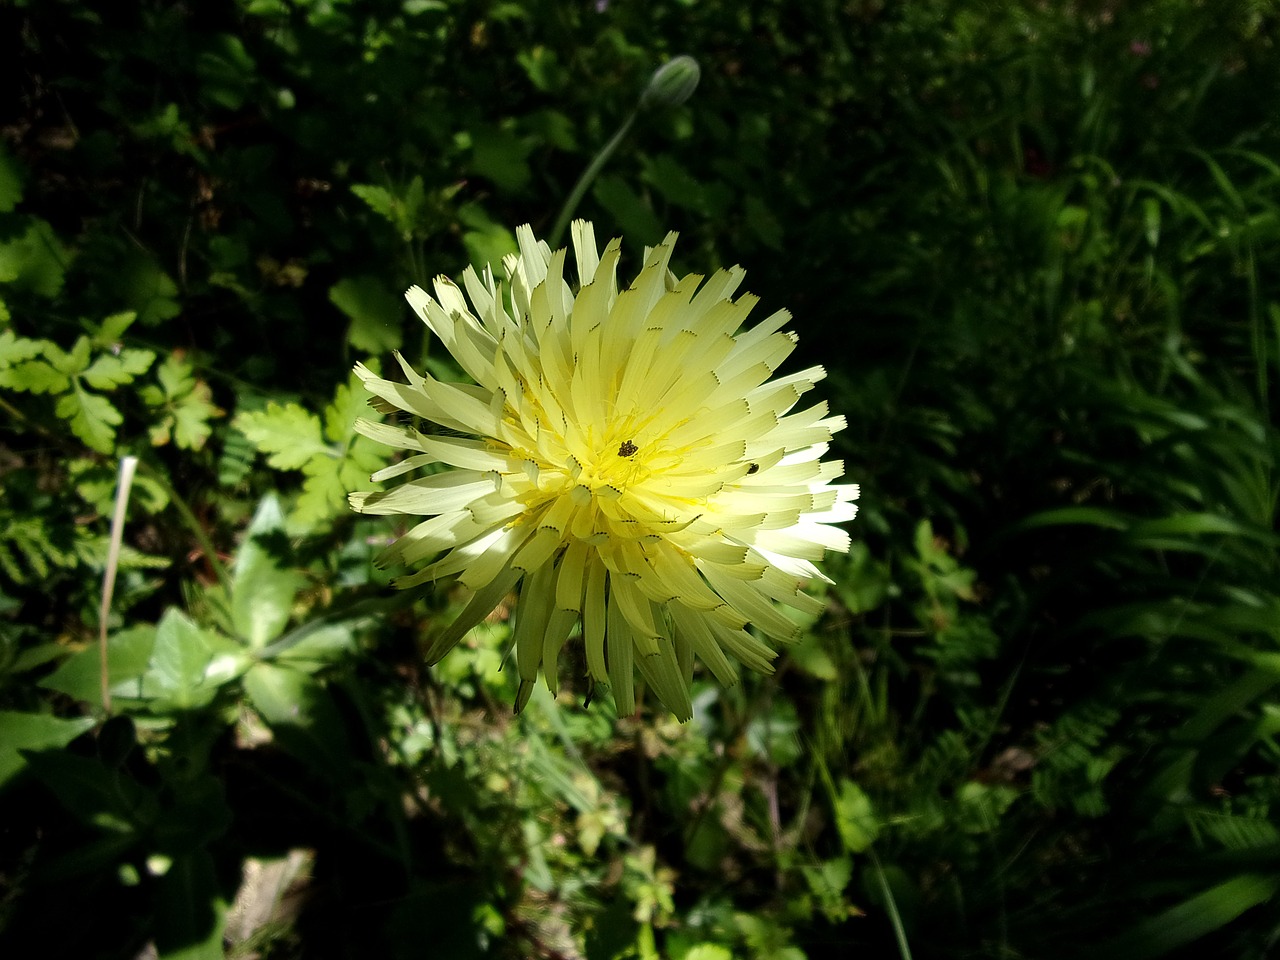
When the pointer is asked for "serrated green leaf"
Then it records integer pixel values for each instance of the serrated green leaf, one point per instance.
(15, 349)
(188, 403)
(262, 587)
(376, 313)
(363, 458)
(34, 260)
(349, 402)
(148, 290)
(73, 362)
(109, 371)
(113, 327)
(91, 550)
(192, 416)
(95, 484)
(288, 434)
(323, 496)
(92, 418)
(34, 376)
(33, 731)
(379, 199)
(176, 376)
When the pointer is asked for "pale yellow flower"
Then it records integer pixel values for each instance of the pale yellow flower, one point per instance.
(628, 465)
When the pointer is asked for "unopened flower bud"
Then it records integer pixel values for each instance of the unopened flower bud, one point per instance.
(671, 84)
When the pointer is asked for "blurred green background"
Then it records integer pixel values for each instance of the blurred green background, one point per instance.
(1036, 246)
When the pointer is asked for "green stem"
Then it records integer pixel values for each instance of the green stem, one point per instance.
(891, 905)
(588, 177)
(193, 524)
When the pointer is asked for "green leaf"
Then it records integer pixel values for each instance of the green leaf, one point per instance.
(112, 329)
(708, 951)
(487, 241)
(811, 657)
(191, 417)
(632, 214)
(380, 199)
(192, 913)
(187, 404)
(148, 290)
(92, 418)
(72, 362)
(289, 434)
(262, 590)
(15, 349)
(35, 377)
(33, 731)
(323, 496)
(676, 184)
(301, 715)
(349, 402)
(375, 312)
(320, 646)
(828, 882)
(108, 371)
(34, 260)
(855, 820)
(128, 653)
(763, 223)
(96, 794)
(1193, 918)
(178, 663)
(501, 156)
(95, 484)
(226, 71)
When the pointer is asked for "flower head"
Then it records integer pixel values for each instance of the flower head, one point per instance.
(623, 459)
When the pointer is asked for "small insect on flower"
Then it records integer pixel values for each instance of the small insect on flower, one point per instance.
(626, 464)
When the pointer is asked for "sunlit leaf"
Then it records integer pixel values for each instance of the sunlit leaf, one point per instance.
(33, 731)
(263, 584)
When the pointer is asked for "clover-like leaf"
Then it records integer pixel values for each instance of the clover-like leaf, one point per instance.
(187, 405)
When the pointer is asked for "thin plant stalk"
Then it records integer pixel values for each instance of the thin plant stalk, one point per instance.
(128, 466)
(670, 85)
(194, 525)
(588, 177)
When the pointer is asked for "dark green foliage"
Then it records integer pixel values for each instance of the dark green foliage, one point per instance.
(1035, 245)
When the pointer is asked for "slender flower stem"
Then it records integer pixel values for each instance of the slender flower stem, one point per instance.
(194, 525)
(588, 177)
(127, 467)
